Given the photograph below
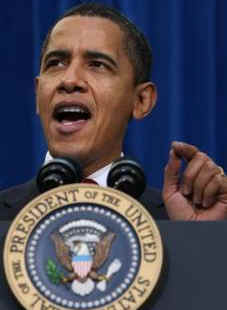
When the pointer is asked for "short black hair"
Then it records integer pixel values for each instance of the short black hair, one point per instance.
(136, 45)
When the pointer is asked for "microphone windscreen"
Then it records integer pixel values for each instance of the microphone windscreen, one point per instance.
(59, 171)
(127, 176)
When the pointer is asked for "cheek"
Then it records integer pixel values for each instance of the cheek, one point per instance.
(121, 104)
(115, 96)
(114, 115)
(44, 111)
(44, 96)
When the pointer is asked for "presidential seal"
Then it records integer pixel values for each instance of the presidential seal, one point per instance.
(83, 247)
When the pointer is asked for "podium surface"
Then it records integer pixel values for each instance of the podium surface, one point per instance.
(196, 268)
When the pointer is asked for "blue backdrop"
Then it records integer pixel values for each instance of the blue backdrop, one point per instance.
(190, 53)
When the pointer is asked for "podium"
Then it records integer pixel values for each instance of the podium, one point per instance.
(196, 268)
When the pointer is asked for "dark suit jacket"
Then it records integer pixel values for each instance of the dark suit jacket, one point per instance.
(12, 200)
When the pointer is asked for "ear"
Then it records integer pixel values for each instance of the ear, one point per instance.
(36, 82)
(146, 97)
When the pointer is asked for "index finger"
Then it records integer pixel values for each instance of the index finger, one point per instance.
(184, 150)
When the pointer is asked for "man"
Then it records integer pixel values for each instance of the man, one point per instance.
(94, 78)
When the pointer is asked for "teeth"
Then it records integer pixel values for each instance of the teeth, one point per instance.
(71, 109)
(71, 113)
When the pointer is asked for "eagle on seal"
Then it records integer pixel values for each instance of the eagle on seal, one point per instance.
(82, 265)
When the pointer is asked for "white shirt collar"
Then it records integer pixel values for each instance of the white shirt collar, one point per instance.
(48, 158)
(100, 176)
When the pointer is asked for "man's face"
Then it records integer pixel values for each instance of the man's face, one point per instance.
(85, 91)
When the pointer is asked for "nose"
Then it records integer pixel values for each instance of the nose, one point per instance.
(73, 80)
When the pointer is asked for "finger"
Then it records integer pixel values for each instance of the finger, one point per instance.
(223, 189)
(222, 172)
(205, 176)
(191, 173)
(171, 175)
(184, 150)
(212, 190)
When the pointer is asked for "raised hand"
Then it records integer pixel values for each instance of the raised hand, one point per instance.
(197, 193)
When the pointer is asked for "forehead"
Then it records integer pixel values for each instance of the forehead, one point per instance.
(87, 32)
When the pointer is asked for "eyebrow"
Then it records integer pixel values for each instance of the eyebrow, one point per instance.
(89, 54)
(99, 55)
(57, 53)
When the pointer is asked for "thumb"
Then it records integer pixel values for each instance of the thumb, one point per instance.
(171, 175)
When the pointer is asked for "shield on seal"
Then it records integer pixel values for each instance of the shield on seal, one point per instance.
(82, 264)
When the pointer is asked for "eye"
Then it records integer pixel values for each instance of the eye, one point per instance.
(97, 64)
(53, 63)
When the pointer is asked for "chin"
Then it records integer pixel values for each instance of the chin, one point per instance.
(64, 151)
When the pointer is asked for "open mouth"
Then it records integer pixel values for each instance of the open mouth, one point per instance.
(71, 113)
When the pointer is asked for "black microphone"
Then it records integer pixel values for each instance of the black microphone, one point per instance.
(127, 176)
(59, 171)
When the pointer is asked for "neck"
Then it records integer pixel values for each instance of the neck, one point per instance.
(91, 168)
